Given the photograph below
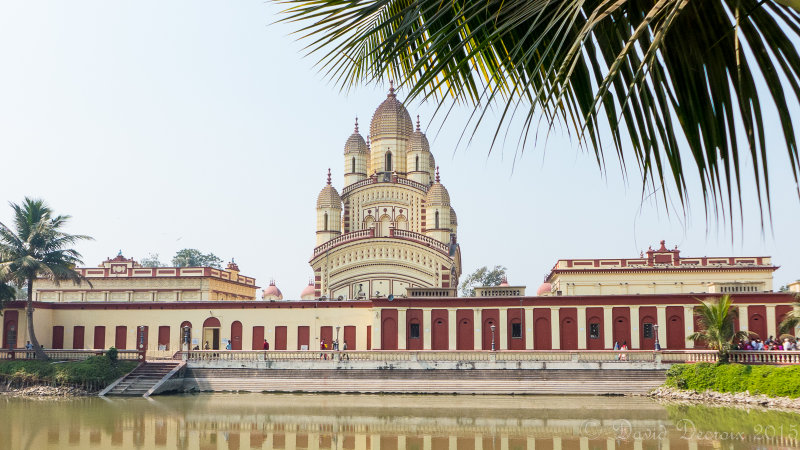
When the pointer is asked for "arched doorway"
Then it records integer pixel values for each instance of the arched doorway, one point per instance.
(676, 337)
(569, 333)
(465, 333)
(10, 319)
(594, 329)
(386, 222)
(622, 326)
(490, 317)
(439, 330)
(183, 344)
(389, 334)
(236, 335)
(211, 328)
(542, 337)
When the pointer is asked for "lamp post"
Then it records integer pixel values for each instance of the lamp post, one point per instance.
(492, 328)
(337, 337)
(658, 346)
(141, 343)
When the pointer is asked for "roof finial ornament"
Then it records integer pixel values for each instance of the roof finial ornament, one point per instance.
(329, 176)
(120, 252)
(368, 142)
(437, 174)
(356, 125)
(417, 122)
(391, 88)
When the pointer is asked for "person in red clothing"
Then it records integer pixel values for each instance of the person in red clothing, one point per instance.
(266, 345)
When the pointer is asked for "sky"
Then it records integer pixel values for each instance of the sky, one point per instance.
(162, 125)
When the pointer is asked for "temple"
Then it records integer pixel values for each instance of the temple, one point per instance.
(393, 226)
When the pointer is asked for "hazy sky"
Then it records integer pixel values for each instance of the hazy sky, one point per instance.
(161, 125)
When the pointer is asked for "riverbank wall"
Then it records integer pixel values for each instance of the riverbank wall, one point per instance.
(419, 377)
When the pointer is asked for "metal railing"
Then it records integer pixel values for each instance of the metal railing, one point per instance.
(65, 355)
(347, 237)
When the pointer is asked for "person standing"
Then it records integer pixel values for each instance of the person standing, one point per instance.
(266, 345)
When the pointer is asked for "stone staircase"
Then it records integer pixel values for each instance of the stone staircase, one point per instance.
(550, 381)
(145, 377)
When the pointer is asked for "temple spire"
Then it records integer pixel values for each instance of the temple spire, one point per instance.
(417, 122)
(356, 131)
(329, 176)
(391, 88)
(437, 174)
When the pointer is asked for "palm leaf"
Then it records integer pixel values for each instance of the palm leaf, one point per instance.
(651, 74)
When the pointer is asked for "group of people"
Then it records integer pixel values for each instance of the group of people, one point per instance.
(788, 344)
(624, 348)
(333, 346)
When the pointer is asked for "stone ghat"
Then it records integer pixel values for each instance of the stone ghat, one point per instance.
(391, 379)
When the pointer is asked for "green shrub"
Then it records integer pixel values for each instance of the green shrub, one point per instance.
(112, 354)
(773, 381)
(96, 371)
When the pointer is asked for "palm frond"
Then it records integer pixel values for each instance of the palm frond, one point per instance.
(651, 74)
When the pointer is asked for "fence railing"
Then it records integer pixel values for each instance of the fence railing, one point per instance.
(765, 357)
(65, 355)
(667, 356)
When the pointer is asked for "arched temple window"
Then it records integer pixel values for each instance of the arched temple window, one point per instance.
(353, 170)
(417, 164)
(388, 161)
(437, 220)
(326, 222)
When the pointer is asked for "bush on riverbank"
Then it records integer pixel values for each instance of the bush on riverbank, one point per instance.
(91, 374)
(768, 380)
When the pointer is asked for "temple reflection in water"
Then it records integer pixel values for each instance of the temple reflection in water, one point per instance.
(288, 421)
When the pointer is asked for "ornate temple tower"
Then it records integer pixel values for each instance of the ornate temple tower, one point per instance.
(393, 226)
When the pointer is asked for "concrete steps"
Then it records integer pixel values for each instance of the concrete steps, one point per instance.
(590, 382)
(143, 378)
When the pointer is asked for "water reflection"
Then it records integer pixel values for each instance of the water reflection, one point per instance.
(242, 421)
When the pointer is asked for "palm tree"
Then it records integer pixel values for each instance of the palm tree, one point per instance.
(717, 330)
(792, 319)
(37, 247)
(643, 74)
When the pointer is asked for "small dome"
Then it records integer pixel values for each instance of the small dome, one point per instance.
(272, 292)
(355, 143)
(437, 194)
(544, 289)
(453, 218)
(308, 292)
(419, 142)
(328, 196)
(504, 282)
(391, 119)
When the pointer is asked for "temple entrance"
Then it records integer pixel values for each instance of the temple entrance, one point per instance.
(211, 334)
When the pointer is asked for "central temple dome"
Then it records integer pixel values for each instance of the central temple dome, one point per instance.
(391, 119)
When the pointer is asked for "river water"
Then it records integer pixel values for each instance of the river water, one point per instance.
(387, 422)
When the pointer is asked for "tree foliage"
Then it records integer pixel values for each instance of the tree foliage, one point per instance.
(151, 260)
(716, 320)
(190, 257)
(7, 293)
(482, 277)
(792, 319)
(639, 77)
(37, 247)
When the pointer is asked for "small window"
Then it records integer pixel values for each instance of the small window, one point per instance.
(417, 165)
(516, 330)
(413, 331)
(354, 165)
(594, 331)
(647, 331)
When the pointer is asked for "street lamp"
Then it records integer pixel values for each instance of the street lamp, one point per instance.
(492, 328)
(658, 346)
